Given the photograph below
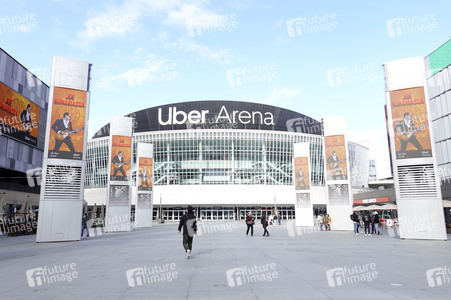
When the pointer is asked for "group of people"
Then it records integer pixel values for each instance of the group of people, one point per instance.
(370, 223)
(265, 221)
(324, 221)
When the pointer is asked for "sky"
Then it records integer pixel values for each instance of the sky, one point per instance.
(319, 58)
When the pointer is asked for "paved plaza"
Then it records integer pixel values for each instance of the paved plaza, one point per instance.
(293, 263)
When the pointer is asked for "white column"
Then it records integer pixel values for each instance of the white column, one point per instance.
(144, 184)
(301, 178)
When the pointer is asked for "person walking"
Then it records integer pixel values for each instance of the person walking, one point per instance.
(250, 223)
(366, 221)
(328, 220)
(84, 225)
(356, 220)
(189, 224)
(376, 220)
(264, 224)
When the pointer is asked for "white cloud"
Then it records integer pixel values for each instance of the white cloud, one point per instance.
(280, 94)
(222, 56)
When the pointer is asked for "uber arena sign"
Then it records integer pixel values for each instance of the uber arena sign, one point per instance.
(175, 117)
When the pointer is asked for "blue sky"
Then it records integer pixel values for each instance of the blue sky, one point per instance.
(320, 58)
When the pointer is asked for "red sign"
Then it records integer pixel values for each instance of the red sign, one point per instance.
(372, 200)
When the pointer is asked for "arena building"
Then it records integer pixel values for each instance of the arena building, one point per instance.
(223, 157)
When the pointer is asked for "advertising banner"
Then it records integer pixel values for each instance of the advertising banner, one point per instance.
(121, 154)
(67, 124)
(303, 200)
(410, 123)
(336, 166)
(302, 174)
(144, 201)
(19, 117)
(145, 171)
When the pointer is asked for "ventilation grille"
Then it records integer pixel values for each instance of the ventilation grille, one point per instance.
(417, 181)
(62, 183)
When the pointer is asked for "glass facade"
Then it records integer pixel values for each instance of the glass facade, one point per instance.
(207, 157)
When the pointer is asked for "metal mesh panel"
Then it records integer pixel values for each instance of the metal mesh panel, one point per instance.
(63, 182)
(417, 181)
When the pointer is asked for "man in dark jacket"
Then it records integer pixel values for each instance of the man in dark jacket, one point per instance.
(367, 221)
(264, 224)
(356, 220)
(188, 222)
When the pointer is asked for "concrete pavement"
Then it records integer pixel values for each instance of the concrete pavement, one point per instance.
(293, 263)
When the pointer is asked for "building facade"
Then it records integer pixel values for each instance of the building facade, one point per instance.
(23, 115)
(224, 157)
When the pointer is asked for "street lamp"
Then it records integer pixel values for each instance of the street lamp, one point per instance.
(160, 218)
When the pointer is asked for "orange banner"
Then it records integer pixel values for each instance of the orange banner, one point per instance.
(121, 155)
(301, 173)
(410, 123)
(67, 123)
(336, 165)
(19, 117)
(145, 170)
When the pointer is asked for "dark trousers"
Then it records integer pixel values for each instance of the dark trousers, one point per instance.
(266, 231)
(367, 227)
(83, 230)
(251, 227)
(120, 169)
(187, 242)
(413, 140)
(66, 141)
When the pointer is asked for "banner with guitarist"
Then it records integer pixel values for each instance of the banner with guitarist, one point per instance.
(301, 173)
(19, 117)
(410, 123)
(121, 153)
(145, 169)
(67, 124)
(336, 166)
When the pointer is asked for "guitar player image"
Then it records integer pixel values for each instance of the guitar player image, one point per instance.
(144, 177)
(63, 129)
(300, 179)
(25, 117)
(335, 171)
(119, 162)
(406, 131)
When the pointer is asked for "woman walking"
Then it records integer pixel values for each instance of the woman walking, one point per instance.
(264, 224)
(250, 223)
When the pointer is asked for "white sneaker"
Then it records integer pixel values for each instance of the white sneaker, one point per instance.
(188, 253)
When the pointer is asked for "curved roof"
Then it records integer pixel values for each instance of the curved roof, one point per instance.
(218, 114)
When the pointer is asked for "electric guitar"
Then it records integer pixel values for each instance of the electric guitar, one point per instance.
(118, 165)
(61, 135)
(334, 165)
(404, 136)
